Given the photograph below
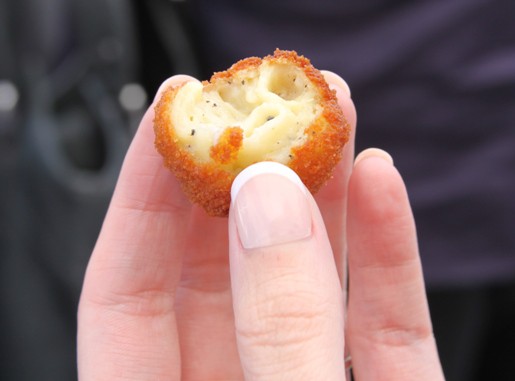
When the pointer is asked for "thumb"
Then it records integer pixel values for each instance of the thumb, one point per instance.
(287, 298)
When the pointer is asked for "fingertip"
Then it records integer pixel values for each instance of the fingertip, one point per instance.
(343, 94)
(373, 153)
(378, 207)
(171, 82)
(374, 180)
(334, 79)
(265, 218)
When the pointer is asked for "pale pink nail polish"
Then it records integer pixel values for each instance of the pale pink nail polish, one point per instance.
(271, 206)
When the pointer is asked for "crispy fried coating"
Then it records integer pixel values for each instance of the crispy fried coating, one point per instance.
(276, 108)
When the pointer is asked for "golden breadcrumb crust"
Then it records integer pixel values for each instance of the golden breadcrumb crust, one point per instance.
(209, 183)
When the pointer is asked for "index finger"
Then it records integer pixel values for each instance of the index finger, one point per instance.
(127, 327)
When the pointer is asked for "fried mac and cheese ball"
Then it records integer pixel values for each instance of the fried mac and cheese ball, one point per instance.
(278, 108)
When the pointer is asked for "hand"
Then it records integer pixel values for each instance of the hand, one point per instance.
(171, 294)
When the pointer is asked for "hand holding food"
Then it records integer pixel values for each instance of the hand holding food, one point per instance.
(258, 295)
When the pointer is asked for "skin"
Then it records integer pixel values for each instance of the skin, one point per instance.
(167, 290)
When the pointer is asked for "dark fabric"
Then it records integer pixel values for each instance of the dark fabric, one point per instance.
(166, 41)
(475, 332)
(61, 150)
(434, 84)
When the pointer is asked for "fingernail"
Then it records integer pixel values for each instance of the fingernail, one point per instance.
(176, 80)
(271, 206)
(373, 152)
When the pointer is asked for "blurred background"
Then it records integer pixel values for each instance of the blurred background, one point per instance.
(433, 83)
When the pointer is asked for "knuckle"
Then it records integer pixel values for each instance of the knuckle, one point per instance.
(144, 303)
(284, 318)
(400, 336)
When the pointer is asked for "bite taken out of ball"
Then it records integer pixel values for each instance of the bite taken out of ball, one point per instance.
(277, 108)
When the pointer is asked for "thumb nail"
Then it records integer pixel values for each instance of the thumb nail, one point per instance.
(271, 206)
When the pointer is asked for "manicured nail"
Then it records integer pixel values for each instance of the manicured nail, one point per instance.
(373, 152)
(271, 206)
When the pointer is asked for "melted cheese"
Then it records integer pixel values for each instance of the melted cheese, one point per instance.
(273, 105)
